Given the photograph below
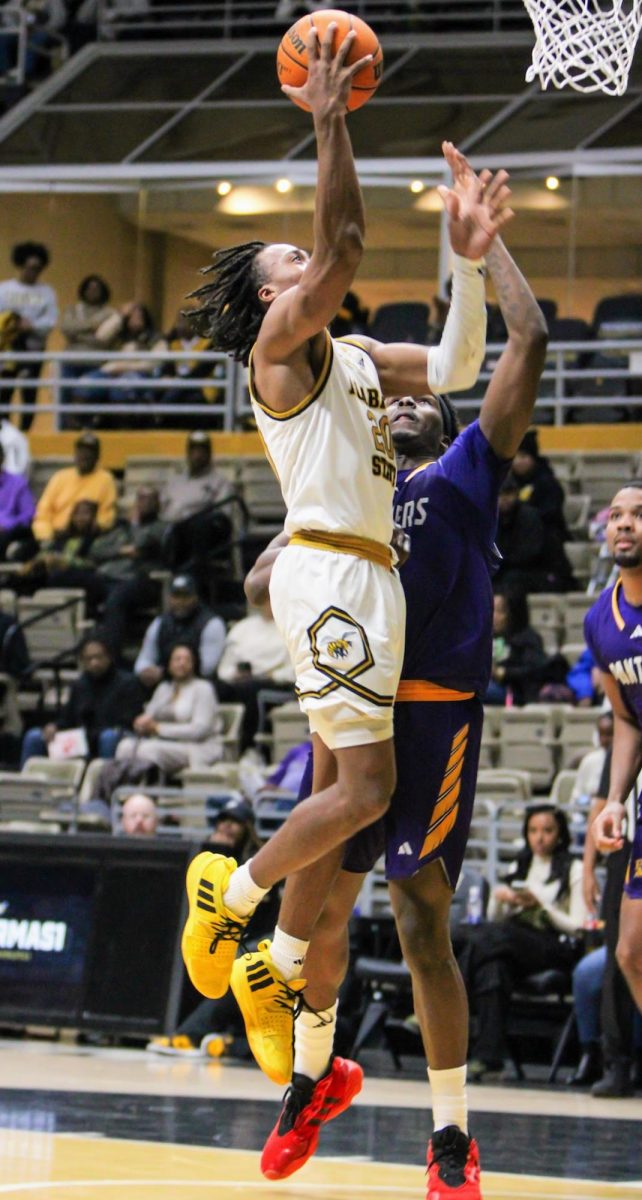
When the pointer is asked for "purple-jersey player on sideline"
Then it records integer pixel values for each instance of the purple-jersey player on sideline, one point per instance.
(613, 632)
(446, 498)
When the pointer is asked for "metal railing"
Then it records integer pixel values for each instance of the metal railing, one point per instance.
(237, 18)
(564, 384)
(19, 23)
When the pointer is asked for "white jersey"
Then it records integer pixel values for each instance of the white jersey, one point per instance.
(332, 452)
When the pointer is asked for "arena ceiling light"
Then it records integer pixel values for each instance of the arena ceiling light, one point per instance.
(552, 183)
(283, 186)
(224, 187)
(417, 186)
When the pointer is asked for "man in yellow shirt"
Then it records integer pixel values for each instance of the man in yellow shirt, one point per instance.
(84, 481)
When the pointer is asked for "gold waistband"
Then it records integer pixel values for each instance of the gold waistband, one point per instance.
(344, 543)
(422, 689)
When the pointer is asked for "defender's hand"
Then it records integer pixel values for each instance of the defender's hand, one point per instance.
(477, 206)
(400, 543)
(327, 88)
(607, 828)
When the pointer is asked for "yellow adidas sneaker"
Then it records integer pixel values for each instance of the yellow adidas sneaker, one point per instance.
(269, 1006)
(212, 932)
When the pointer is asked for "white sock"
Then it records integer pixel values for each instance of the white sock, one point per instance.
(242, 894)
(313, 1041)
(288, 954)
(449, 1098)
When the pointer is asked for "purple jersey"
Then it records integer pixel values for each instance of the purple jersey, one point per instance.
(449, 508)
(613, 633)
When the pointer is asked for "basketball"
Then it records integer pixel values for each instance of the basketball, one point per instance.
(292, 55)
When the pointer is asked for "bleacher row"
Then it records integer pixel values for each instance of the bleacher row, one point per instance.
(532, 747)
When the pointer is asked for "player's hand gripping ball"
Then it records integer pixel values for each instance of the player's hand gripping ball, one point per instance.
(292, 55)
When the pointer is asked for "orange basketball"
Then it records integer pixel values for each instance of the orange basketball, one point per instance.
(292, 55)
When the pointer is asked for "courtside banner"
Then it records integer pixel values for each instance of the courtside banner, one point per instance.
(45, 922)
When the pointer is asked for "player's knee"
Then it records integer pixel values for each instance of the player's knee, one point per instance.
(424, 934)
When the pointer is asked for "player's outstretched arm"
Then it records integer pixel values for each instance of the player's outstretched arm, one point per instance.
(477, 209)
(299, 313)
(257, 581)
(625, 766)
(507, 408)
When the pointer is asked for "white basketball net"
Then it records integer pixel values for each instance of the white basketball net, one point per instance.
(584, 44)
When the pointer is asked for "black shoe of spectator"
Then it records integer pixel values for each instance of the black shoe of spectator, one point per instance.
(589, 1068)
(616, 1082)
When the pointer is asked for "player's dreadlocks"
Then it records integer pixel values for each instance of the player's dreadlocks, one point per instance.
(449, 418)
(230, 312)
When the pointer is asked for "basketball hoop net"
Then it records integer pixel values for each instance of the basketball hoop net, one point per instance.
(587, 45)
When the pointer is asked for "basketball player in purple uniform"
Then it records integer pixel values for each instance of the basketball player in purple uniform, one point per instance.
(613, 632)
(446, 498)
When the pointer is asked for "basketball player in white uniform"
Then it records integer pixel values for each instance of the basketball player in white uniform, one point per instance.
(336, 596)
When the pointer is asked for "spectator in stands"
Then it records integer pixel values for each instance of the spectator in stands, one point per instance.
(17, 458)
(84, 481)
(538, 485)
(233, 831)
(583, 680)
(182, 337)
(17, 507)
(352, 317)
(63, 561)
(36, 305)
(187, 622)
(588, 986)
(589, 771)
(196, 504)
(532, 561)
(254, 659)
(535, 916)
(519, 658)
(104, 701)
(139, 816)
(124, 557)
(179, 727)
(87, 325)
(132, 331)
(14, 655)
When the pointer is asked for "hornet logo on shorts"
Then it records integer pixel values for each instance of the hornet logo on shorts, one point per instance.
(341, 652)
(340, 643)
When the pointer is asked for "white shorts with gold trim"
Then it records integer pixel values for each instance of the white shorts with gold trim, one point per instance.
(343, 621)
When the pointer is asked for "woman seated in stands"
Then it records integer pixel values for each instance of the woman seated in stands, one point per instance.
(58, 560)
(535, 916)
(519, 658)
(179, 725)
(134, 331)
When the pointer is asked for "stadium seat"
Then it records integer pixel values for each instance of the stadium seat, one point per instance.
(219, 774)
(580, 555)
(263, 498)
(402, 322)
(576, 734)
(617, 317)
(182, 813)
(572, 651)
(231, 717)
(545, 611)
(271, 809)
(575, 607)
(290, 727)
(154, 469)
(562, 788)
(68, 773)
(576, 514)
(61, 613)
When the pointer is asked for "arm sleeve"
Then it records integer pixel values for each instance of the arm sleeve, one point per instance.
(211, 646)
(148, 654)
(203, 718)
(455, 363)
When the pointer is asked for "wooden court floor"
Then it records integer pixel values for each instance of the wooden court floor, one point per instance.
(84, 1124)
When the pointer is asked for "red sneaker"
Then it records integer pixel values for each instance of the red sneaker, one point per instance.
(453, 1166)
(306, 1107)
